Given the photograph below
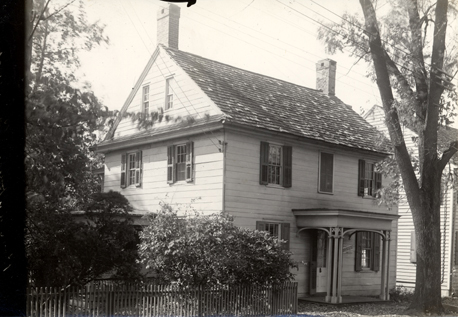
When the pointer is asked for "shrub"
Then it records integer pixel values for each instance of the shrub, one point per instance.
(401, 294)
(195, 249)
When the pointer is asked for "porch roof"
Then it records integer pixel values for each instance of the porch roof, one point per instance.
(351, 219)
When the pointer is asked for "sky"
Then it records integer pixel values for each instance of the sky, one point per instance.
(276, 38)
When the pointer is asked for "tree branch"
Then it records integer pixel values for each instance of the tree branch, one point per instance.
(38, 20)
(447, 155)
(59, 10)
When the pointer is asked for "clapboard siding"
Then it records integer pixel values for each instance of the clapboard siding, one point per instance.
(406, 270)
(189, 99)
(207, 184)
(248, 201)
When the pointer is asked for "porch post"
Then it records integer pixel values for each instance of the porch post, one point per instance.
(382, 282)
(335, 263)
(328, 266)
(388, 238)
(340, 261)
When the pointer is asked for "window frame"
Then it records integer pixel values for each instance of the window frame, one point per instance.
(172, 163)
(169, 93)
(376, 180)
(131, 169)
(374, 258)
(285, 167)
(283, 232)
(320, 162)
(145, 99)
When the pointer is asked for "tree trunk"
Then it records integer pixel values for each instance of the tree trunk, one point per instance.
(427, 294)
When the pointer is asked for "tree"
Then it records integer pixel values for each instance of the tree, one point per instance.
(412, 66)
(66, 252)
(192, 249)
(63, 117)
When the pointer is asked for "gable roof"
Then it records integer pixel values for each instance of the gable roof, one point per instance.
(258, 101)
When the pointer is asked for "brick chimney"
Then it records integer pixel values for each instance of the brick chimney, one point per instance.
(326, 76)
(168, 21)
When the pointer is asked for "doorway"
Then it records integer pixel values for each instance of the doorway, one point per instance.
(318, 270)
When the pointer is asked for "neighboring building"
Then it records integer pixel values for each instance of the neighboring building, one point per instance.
(406, 257)
(280, 157)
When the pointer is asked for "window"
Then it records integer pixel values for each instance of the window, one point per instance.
(180, 162)
(276, 165)
(326, 172)
(367, 251)
(131, 169)
(369, 180)
(278, 230)
(169, 92)
(145, 99)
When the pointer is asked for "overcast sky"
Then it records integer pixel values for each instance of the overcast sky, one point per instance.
(272, 37)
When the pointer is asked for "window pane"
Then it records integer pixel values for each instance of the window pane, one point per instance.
(181, 162)
(326, 172)
(275, 163)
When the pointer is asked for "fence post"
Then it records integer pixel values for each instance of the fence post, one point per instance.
(199, 301)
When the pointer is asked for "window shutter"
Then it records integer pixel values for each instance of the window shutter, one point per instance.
(376, 248)
(138, 168)
(170, 164)
(287, 166)
(361, 170)
(377, 182)
(189, 161)
(358, 252)
(123, 171)
(285, 235)
(260, 225)
(413, 248)
(264, 166)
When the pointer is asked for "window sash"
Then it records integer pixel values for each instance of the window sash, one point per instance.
(326, 172)
(275, 165)
(145, 99)
(180, 162)
(169, 93)
(369, 181)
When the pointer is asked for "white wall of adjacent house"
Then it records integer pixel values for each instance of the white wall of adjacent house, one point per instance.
(187, 98)
(249, 202)
(205, 188)
(406, 269)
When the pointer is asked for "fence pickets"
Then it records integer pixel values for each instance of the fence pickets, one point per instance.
(144, 300)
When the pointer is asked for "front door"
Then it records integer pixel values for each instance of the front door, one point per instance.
(318, 270)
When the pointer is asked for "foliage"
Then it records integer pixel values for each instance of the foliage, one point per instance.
(69, 249)
(191, 249)
(400, 294)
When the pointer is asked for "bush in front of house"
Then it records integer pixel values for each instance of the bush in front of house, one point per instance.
(188, 248)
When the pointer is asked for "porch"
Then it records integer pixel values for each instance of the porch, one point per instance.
(335, 224)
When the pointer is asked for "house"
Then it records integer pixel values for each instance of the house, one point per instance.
(280, 157)
(406, 257)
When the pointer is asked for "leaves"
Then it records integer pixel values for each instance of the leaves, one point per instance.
(194, 249)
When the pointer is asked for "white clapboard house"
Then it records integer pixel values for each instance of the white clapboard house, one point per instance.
(292, 160)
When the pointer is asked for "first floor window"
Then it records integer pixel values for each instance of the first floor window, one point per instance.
(131, 169)
(367, 251)
(326, 172)
(369, 180)
(180, 162)
(276, 164)
(277, 230)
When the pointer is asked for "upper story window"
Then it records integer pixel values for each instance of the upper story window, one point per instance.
(367, 251)
(169, 92)
(326, 173)
(276, 164)
(180, 162)
(131, 169)
(277, 230)
(145, 99)
(369, 180)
